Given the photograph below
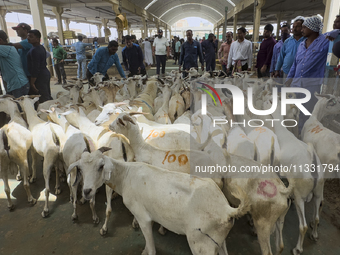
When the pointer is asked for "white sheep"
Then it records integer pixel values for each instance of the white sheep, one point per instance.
(15, 141)
(175, 200)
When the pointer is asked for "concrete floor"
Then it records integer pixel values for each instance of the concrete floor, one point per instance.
(24, 231)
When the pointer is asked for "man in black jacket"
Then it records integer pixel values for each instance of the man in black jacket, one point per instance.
(133, 57)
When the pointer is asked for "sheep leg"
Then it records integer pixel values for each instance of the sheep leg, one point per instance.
(94, 214)
(73, 193)
(317, 202)
(47, 167)
(146, 227)
(34, 156)
(278, 233)
(18, 176)
(109, 191)
(31, 199)
(7, 189)
(300, 208)
(263, 235)
(57, 181)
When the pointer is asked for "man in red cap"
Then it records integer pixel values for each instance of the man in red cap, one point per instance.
(24, 46)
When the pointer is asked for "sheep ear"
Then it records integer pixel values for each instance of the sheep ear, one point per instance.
(73, 165)
(66, 113)
(104, 149)
(45, 111)
(78, 176)
(107, 168)
(36, 99)
(121, 122)
(129, 119)
(88, 149)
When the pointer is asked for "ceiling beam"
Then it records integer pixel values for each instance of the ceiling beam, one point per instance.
(131, 7)
(238, 8)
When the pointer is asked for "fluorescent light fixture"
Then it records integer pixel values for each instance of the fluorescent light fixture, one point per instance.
(190, 4)
(148, 6)
(170, 20)
(231, 2)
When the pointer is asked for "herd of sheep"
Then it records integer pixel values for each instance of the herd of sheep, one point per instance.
(143, 137)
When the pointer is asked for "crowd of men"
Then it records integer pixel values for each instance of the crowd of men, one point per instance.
(293, 58)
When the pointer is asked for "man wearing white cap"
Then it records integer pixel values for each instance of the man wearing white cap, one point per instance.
(161, 51)
(24, 46)
(308, 68)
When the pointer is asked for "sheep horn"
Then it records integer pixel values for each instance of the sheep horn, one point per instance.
(322, 95)
(104, 149)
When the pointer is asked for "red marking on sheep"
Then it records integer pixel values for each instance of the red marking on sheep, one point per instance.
(267, 189)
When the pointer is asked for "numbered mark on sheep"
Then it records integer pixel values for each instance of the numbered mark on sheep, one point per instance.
(155, 134)
(182, 159)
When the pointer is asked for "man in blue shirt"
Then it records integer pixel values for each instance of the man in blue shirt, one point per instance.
(24, 46)
(190, 50)
(209, 50)
(289, 48)
(102, 60)
(285, 34)
(133, 58)
(81, 57)
(308, 68)
(11, 69)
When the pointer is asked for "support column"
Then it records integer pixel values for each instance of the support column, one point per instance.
(37, 13)
(150, 32)
(258, 9)
(145, 28)
(58, 11)
(218, 33)
(331, 10)
(166, 32)
(225, 24)
(235, 27)
(278, 21)
(99, 27)
(67, 24)
(157, 25)
(289, 21)
(3, 24)
(170, 33)
(104, 22)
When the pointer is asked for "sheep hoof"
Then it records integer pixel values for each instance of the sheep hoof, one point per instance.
(162, 230)
(44, 213)
(57, 191)
(33, 201)
(32, 180)
(314, 238)
(295, 251)
(135, 224)
(253, 231)
(96, 220)
(11, 208)
(103, 232)
(74, 217)
(82, 201)
(115, 195)
(18, 177)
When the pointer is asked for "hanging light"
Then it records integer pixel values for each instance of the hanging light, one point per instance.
(68, 10)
